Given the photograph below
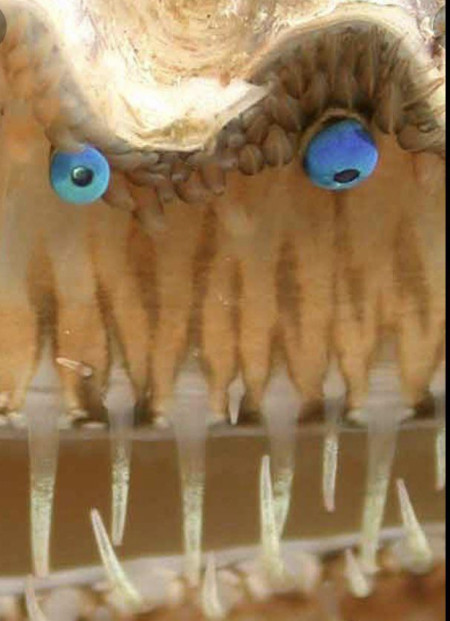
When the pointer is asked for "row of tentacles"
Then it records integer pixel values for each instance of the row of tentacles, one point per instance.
(295, 583)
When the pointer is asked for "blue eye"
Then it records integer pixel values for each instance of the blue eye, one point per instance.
(79, 178)
(340, 156)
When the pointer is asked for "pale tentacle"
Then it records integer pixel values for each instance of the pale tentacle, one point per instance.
(118, 403)
(115, 573)
(43, 441)
(189, 415)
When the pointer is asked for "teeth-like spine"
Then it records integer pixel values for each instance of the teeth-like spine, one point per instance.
(270, 539)
(43, 446)
(211, 605)
(282, 489)
(382, 422)
(116, 575)
(421, 556)
(33, 610)
(280, 420)
(189, 418)
(330, 463)
(330, 457)
(118, 402)
(359, 584)
(382, 438)
(43, 443)
(193, 483)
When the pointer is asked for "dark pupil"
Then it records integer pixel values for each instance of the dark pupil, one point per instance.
(82, 176)
(345, 176)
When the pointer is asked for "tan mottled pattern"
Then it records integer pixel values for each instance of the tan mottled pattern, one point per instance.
(274, 269)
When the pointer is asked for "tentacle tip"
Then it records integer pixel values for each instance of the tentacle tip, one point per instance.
(414, 551)
(33, 609)
(359, 584)
(212, 605)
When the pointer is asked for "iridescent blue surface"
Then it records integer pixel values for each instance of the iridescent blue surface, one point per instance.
(341, 155)
(79, 178)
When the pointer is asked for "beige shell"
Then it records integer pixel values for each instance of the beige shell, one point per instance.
(172, 86)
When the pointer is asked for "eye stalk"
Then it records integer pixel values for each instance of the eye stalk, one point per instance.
(79, 178)
(341, 155)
